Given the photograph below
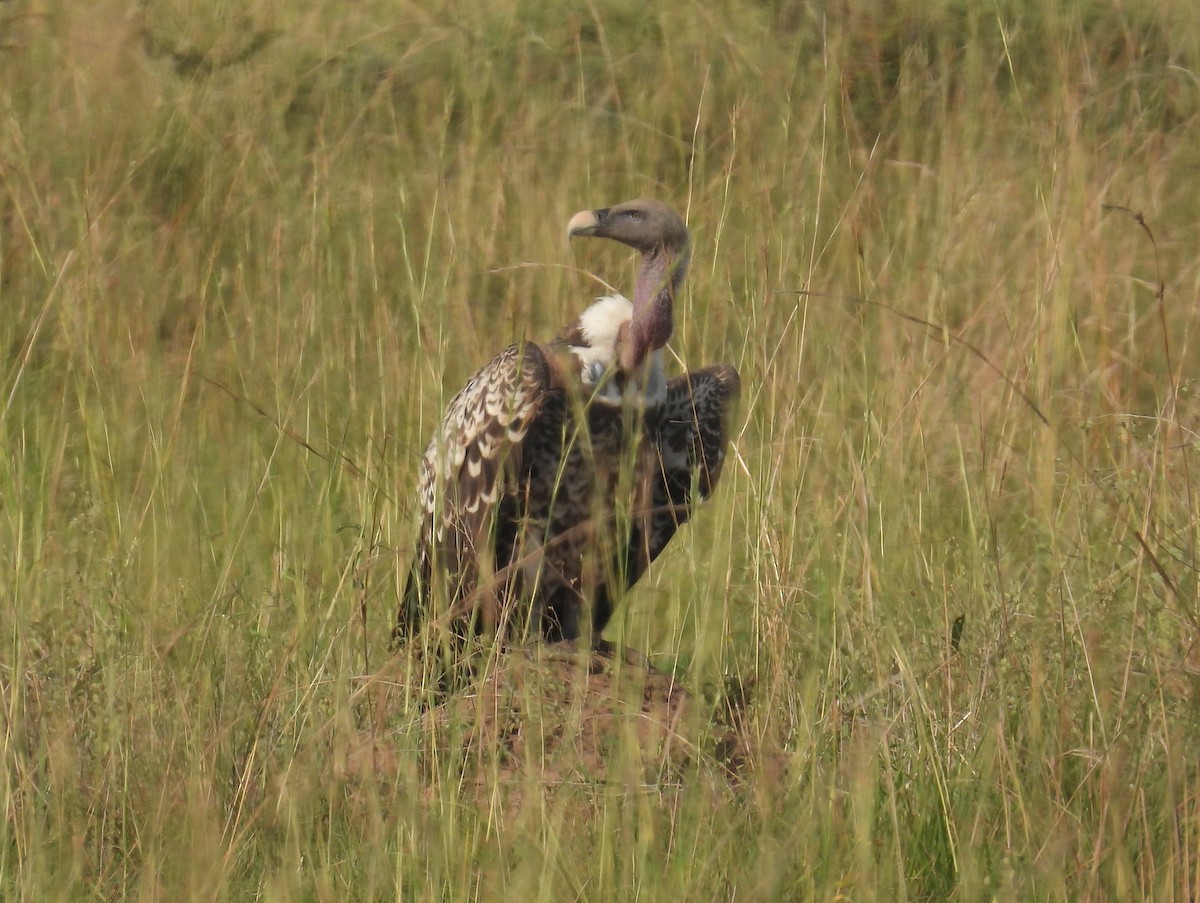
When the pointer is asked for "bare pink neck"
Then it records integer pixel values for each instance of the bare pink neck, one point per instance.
(658, 281)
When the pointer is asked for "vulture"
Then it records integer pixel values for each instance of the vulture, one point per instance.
(562, 469)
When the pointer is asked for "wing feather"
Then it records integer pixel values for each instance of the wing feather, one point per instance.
(470, 465)
(690, 433)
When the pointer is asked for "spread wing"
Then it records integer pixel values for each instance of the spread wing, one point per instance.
(467, 488)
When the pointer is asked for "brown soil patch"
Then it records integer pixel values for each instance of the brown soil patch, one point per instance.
(552, 715)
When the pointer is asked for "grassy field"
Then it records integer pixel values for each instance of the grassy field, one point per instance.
(248, 251)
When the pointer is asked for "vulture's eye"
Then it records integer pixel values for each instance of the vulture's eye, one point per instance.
(635, 215)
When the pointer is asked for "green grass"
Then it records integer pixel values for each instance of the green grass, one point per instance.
(248, 252)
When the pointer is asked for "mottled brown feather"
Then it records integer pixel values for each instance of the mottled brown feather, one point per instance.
(557, 536)
(485, 425)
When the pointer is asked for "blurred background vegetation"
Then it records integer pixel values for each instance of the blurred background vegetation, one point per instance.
(249, 249)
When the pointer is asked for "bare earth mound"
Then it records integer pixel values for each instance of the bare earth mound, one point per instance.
(554, 715)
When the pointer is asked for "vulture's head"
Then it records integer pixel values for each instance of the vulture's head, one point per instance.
(645, 225)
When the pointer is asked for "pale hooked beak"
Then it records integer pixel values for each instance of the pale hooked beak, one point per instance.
(583, 223)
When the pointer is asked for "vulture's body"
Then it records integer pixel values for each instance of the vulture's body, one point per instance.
(561, 470)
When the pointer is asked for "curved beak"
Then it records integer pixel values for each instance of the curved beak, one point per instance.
(585, 222)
